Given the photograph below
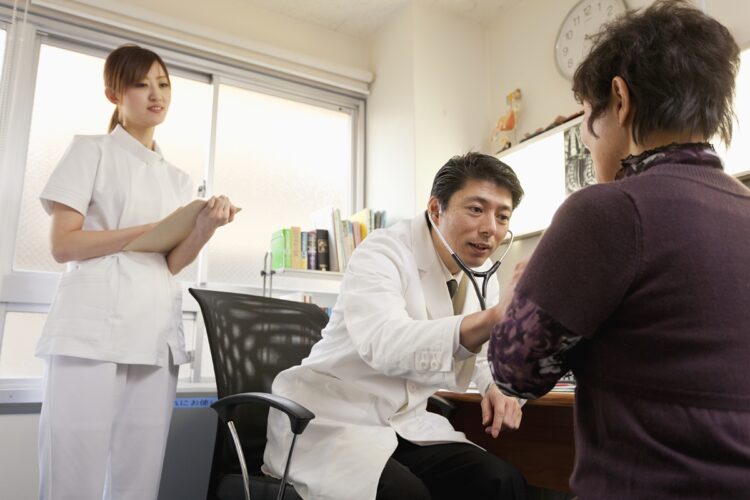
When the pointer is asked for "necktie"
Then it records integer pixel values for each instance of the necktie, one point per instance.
(452, 287)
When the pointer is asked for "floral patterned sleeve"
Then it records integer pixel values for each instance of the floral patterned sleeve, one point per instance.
(528, 351)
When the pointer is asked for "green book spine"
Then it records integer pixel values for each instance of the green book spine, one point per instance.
(277, 249)
(288, 248)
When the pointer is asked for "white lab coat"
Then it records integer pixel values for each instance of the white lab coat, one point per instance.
(388, 347)
(125, 307)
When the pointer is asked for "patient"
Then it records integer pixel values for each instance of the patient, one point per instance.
(641, 284)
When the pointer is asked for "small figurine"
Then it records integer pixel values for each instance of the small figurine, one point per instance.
(506, 124)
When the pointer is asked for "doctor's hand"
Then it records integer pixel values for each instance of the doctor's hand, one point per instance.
(499, 411)
(217, 212)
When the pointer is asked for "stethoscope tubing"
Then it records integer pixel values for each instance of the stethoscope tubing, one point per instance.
(485, 275)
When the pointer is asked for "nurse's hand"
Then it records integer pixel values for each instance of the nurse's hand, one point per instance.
(217, 212)
(499, 411)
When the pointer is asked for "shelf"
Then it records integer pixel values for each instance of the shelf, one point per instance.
(541, 135)
(308, 274)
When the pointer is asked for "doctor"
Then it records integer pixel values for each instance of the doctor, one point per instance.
(394, 338)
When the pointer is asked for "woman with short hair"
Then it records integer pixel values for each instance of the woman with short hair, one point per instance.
(641, 286)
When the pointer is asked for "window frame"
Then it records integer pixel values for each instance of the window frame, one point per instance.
(33, 291)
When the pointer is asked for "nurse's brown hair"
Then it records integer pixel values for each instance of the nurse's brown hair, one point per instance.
(125, 66)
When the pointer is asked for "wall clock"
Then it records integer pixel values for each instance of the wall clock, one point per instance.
(585, 19)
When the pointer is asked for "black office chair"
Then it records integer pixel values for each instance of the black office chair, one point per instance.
(252, 339)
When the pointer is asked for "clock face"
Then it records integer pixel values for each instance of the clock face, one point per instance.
(574, 38)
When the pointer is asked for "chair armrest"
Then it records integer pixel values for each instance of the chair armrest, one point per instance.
(299, 416)
(445, 407)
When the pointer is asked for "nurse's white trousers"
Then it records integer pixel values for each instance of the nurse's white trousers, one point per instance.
(103, 429)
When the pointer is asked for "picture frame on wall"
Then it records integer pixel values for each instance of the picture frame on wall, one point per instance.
(579, 167)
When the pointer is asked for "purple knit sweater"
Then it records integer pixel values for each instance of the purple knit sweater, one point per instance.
(642, 287)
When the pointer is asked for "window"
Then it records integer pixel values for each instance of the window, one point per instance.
(279, 160)
(737, 156)
(2, 47)
(279, 148)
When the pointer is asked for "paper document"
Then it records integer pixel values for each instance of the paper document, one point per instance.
(169, 232)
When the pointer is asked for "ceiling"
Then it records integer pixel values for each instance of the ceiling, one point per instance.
(361, 18)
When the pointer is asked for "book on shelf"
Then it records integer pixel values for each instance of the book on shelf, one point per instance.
(312, 249)
(327, 247)
(340, 240)
(281, 249)
(303, 250)
(297, 262)
(364, 220)
(323, 219)
(322, 257)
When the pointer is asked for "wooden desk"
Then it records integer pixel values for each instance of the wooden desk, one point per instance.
(542, 449)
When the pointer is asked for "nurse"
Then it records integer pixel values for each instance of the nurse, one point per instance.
(113, 338)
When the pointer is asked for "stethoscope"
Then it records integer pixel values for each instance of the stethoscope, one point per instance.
(472, 274)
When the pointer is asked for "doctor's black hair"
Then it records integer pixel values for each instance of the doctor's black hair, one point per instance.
(458, 170)
(680, 66)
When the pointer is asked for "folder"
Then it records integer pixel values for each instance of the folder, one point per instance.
(169, 232)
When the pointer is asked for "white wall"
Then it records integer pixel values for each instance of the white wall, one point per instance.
(19, 470)
(390, 135)
(451, 95)
(428, 103)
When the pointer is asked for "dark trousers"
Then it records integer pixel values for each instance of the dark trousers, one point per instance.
(448, 471)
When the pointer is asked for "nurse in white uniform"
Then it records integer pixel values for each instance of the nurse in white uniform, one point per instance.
(394, 338)
(113, 337)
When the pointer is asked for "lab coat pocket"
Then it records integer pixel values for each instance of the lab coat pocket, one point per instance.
(85, 300)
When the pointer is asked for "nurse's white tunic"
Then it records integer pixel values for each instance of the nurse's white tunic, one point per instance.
(125, 307)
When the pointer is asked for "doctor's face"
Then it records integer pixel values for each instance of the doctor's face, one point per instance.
(474, 223)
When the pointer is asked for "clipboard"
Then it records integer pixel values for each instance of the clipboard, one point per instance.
(169, 232)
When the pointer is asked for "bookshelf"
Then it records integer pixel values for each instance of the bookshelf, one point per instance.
(292, 284)
(308, 274)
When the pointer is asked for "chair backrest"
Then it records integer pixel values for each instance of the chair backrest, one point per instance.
(252, 339)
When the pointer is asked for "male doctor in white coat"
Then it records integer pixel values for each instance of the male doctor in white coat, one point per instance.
(392, 341)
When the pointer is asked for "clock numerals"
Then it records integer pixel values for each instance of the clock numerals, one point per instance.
(576, 34)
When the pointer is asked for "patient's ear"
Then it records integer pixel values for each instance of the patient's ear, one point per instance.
(623, 105)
